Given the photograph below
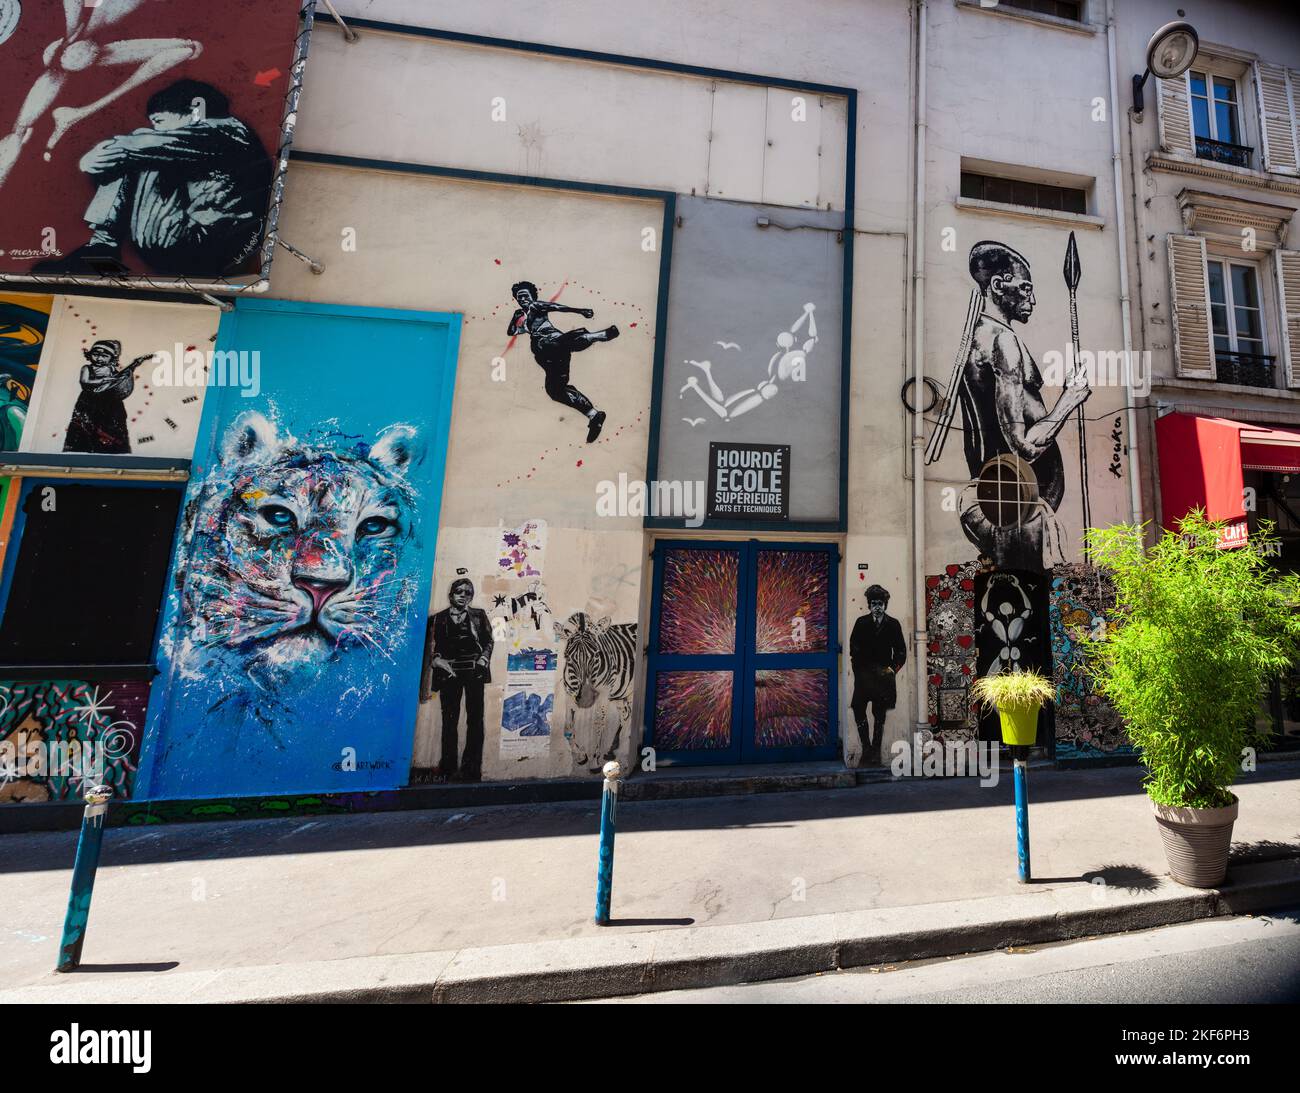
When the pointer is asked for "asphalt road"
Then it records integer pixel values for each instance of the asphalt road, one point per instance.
(1248, 959)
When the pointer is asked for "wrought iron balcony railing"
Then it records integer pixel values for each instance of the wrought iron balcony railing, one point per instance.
(1221, 152)
(1246, 369)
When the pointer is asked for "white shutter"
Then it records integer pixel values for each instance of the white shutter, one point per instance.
(1288, 290)
(1277, 123)
(1174, 114)
(1189, 283)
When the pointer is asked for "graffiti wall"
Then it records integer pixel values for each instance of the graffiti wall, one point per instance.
(291, 648)
(1087, 726)
(59, 738)
(139, 137)
(950, 628)
(545, 488)
(125, 377)
(24, 321)
(981, 621)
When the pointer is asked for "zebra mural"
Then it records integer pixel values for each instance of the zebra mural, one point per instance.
(599, 662)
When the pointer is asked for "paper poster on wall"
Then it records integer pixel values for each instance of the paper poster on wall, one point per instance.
(749, 481)
(139, 138)
(529, 702)
(126, 377)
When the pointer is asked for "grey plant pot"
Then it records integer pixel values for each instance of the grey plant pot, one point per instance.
(1196, 842)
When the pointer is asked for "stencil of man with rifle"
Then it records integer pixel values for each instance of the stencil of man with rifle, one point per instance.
(1010, 436)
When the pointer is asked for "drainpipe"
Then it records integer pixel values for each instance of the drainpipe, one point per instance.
(1121, 241)
(919, 672)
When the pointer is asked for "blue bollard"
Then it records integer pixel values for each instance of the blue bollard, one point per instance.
(605, 865)
(1021, 766)
(83, 877)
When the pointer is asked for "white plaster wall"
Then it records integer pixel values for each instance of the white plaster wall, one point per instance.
(515, 112)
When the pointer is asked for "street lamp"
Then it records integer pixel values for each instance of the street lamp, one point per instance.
(1170, 52)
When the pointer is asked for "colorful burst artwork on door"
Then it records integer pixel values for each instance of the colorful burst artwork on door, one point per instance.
(692, 711)
(698, 613)
(741, 665)
(792, 601)
(791, 708)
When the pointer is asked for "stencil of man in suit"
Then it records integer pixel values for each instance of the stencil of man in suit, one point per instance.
(458, 655)
(877, 652)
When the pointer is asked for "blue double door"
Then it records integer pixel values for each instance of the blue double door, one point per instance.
(743, 657)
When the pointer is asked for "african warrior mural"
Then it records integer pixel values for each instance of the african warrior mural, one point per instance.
(1010, 437)
(553, 348)
(296, 564)
(599, 659)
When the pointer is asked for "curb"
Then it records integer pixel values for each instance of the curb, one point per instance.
(613, 965)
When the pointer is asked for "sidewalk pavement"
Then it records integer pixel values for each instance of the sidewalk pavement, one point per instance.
(497, 902)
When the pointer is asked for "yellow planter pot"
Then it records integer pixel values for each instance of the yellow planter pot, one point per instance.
(1019, 725)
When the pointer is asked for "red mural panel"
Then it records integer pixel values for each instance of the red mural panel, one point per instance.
(138, 137)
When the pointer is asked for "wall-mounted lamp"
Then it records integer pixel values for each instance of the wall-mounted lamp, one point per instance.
(1170, 53)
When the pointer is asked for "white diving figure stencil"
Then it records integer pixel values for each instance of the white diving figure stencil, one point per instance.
(787, 363)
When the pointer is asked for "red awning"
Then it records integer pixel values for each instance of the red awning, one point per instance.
(1202, 460)
(1200, 467)
(1270, 450)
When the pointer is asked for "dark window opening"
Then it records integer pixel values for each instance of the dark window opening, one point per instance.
(1035, 195)
(88, 580)
(1062, 9)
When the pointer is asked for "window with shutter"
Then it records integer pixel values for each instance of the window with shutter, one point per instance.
(1174, 113)
(1276, 89)
(1190, 295)
(1288, 289)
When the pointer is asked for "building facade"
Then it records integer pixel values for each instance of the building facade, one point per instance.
(714, 385)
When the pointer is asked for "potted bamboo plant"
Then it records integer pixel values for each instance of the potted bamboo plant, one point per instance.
(1197, 635)
(1017, 696)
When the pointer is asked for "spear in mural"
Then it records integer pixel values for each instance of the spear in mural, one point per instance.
(1073, 272)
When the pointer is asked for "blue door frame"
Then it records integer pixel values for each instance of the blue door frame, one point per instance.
(744, 663)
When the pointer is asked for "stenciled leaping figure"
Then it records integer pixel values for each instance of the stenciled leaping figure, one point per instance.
(787, 363)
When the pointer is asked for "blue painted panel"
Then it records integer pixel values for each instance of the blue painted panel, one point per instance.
(292, 636)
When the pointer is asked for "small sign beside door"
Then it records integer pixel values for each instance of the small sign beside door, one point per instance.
(749, 481)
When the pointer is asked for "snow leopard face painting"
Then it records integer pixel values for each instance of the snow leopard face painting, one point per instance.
(297, 551)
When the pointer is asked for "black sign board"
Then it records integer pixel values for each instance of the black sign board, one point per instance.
(749, 481)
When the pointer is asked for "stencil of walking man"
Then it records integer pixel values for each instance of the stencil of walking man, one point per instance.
(877, 652)
(787, 363)
(553, 348)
